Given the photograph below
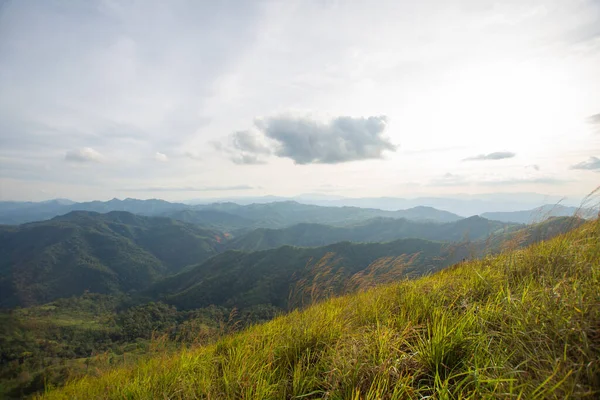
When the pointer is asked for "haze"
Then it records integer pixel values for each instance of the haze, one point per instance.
(180, 100)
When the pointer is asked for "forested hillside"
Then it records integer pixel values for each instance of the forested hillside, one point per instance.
(268, 277)
(103, 253)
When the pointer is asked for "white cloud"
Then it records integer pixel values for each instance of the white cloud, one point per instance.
(308, 141)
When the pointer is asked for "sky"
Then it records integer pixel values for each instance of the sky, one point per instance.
(200, 99)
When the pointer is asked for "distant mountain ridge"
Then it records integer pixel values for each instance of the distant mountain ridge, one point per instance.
(540, 214)
(15, 213)
(373, 230)
(287, 213)
(224, 216)
(463, 205)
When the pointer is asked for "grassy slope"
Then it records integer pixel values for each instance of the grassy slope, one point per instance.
(524, 324)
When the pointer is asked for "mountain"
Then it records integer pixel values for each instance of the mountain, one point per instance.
(244, 279)
(149, 207)
(539, 214)
(226, 216)
(14, 213)
(271, 277)
(103, 253)
(461, 204)
(286, 213)
(218, 219)
(521, 324)
(373, 230)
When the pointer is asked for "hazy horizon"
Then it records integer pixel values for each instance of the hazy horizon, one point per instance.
(183, 100)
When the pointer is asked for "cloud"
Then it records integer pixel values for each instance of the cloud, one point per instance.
(248, 142)
(498, 155)
(307, 141)
(591, 164)
(247, 147)
(594, 119)
(533, 166)
(83, 155)
(158, 156)
(190, 189)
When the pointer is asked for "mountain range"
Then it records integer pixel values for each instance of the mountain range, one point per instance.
(373, 230)
(232, 217)
(225, 216)
(120, 252)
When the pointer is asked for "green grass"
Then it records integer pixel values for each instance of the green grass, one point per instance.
(521, 325)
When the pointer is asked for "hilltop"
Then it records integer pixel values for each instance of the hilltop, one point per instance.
(522, 324)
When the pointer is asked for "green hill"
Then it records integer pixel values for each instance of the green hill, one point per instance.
(103, 253)
(374, 230)
(522, 324)
(267, 277)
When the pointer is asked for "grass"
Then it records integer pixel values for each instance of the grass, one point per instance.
(521, 325)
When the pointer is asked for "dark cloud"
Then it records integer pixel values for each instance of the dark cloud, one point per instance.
(343, 139)
(591, 164)
(498, 155)
(86, 154)
(190, 189)
(307, 141)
